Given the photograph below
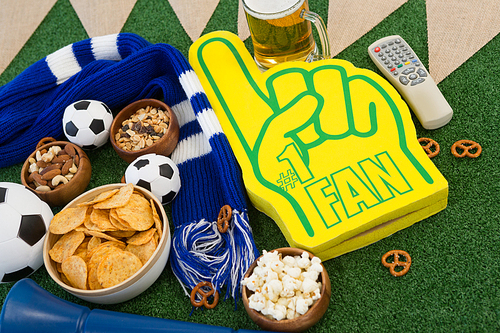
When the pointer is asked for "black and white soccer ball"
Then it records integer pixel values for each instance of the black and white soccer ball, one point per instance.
(156, 173)
(24, 221)
(86, 123)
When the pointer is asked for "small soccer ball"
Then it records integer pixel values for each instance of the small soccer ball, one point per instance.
(86, 123)
(156, 173)
(24, 221)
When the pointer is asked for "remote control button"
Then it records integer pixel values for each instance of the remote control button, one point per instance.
(412, 76)
(404, 80)
(404, 60)
(384, 46)
(396, 62)
(393, 69)
(400, 65)
(395, 73)
(391, 43)
(422, 72)
(380, 54)
(390, 66)
(394, 48)
(377, 49)
(409, 70)
(394, 58)
(384, 58)
(398, 52)
(387, 62)
(417, 81)
(397, 41)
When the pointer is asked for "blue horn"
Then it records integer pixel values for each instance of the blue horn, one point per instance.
(29, 308)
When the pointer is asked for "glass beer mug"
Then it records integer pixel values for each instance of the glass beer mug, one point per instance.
(281, 31)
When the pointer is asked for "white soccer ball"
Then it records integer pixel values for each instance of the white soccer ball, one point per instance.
(156, 173)
(24, 221)
(86, 123)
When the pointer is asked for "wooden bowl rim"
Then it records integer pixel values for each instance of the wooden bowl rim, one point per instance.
(79, 173)
(51, 265)
(131, 108)
(305, 321)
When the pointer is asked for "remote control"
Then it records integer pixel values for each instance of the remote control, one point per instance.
(401, 66)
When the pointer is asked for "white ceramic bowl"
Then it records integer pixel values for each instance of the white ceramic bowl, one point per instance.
(134, 285)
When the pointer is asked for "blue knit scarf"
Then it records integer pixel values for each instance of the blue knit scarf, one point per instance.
(117, 70)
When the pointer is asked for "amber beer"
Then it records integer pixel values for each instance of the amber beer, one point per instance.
(278, 32)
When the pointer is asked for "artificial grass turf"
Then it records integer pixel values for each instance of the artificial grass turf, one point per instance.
(453, 283)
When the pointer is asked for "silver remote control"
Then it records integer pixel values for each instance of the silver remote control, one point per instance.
(401, 66)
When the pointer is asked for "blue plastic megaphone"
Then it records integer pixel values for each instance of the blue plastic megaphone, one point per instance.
(29, 308)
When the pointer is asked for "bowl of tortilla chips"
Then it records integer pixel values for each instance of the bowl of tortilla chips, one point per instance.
(109, 244)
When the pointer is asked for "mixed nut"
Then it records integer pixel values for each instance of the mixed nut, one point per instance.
(52, 168)
(143, 128)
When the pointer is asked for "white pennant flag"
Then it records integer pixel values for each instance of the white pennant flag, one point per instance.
(348, 20)
(194, 14)
(103, 17)
(18, 20)
(457, 30)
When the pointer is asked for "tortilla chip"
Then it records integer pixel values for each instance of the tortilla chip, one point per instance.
(93, 243)
(99, 198)
(137, 213)
(100, 218)
(66, 246)
(118, 222)
(117, 267)
(144, 251)
(88, 224)
(121, 233)
(92, 279)
(67, 220)
(100, 251)
(75, 269)
(119, 199)
(102, 235)
(142, 237)
(156, 218)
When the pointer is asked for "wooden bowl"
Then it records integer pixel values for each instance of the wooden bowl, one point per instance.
(163, 146)
(62, 195)
(135, 284)
(299, 324)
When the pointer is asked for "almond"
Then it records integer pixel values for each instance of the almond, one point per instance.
(51, 174)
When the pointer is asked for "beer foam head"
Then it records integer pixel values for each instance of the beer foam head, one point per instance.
(280, 8)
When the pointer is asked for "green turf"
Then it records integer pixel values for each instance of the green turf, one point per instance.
(454, 280)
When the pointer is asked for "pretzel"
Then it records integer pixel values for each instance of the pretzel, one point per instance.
(428, 144)
(466, 146)
(204, 295)
(392, 265)
(224, 218)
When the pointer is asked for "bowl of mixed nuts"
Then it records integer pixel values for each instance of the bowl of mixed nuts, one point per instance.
(143, 127)
(57, 171)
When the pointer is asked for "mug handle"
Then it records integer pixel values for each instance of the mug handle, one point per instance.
(323, 35)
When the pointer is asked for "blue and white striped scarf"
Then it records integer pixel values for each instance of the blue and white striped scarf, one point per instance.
(117, 70)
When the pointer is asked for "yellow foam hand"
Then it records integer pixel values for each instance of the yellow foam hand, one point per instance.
(327, 150)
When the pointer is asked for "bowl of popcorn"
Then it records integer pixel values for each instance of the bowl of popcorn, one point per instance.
(286, 290)
(109, 244)
(57, 171)
(143, 127)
